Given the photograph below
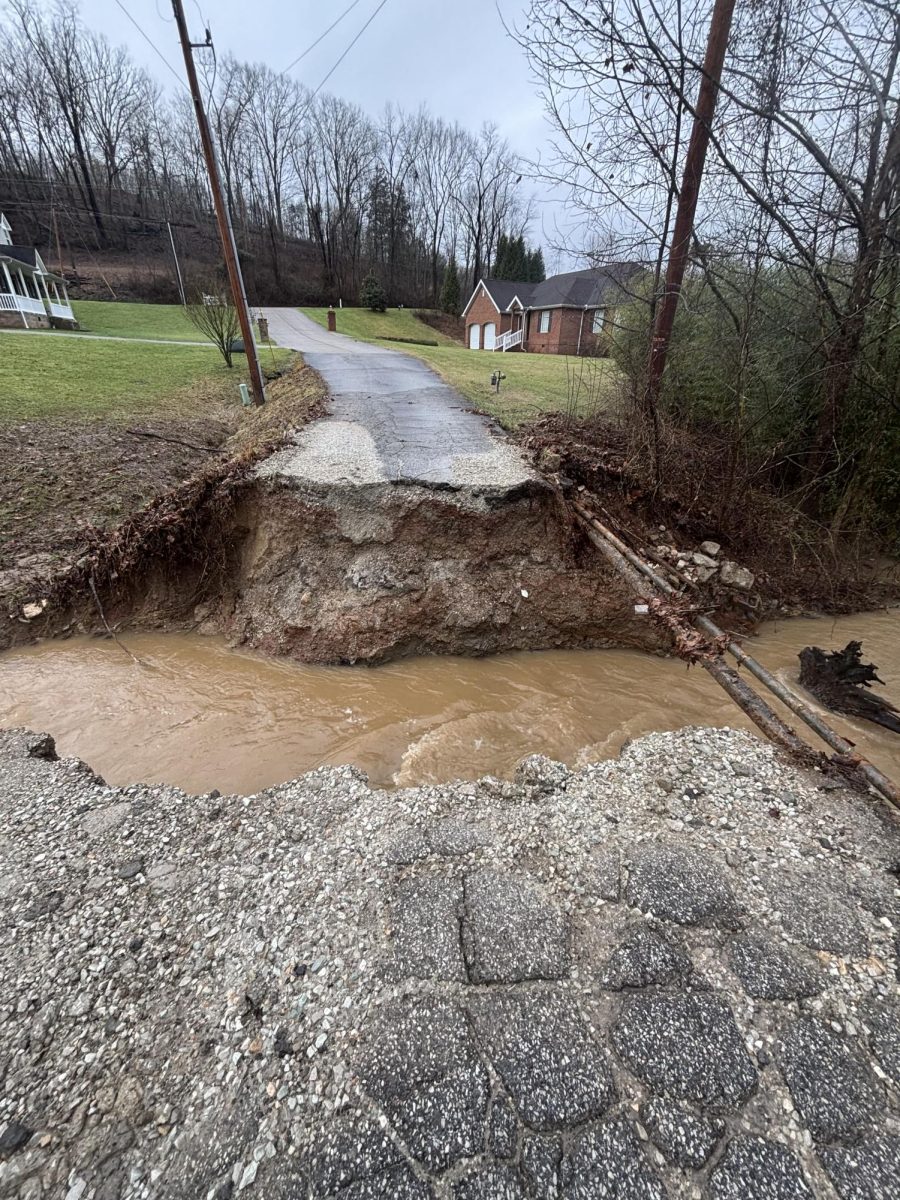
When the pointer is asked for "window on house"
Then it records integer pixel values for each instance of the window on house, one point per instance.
(544, 326)
(599, 320)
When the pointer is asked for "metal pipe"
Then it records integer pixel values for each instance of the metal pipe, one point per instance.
(743, 695)
(882, 784)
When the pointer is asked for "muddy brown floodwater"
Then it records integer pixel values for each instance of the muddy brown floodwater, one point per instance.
(200, 715)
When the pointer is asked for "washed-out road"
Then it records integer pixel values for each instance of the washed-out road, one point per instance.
(392, 418)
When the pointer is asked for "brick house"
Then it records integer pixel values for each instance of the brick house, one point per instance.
(566, 314)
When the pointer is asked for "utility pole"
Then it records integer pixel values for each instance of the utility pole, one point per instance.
(720, 27)
(223, 217)
(177, 266)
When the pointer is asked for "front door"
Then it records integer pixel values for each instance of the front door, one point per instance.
(490, 335)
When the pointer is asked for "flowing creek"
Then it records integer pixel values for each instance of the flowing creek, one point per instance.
(200, 715)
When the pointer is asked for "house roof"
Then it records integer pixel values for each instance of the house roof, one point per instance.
(23, 254)
(27, 256)
(590, 288)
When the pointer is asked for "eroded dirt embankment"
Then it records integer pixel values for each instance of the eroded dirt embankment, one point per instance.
(83, 498)
(365, 573)
(382, 570)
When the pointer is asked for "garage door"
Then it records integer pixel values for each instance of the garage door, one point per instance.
(474, 337)
(490, 335)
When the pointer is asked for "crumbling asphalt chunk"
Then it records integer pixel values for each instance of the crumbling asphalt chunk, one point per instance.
(834, 1091)
(680, 885)
(608, 1162)
(770, 970)
(14, 1137)
(426, 918)
(870, 1171)
(644, 957)
(131, 869)
(420, 1065)
(41, 745)
(754, 1168)
(542, 773)
(883, 1019)
(512, 931)
(686, 1046)
(684, 1137)
(820, 914)
(543, 1051)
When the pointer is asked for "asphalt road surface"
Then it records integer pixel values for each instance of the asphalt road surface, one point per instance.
(391, 418)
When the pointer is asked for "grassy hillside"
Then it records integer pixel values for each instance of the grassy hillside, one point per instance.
(119, 319)
(534, 383)
(46, 375)
(373, 327)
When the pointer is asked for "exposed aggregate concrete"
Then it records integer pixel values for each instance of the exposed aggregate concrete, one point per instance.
(589, 984)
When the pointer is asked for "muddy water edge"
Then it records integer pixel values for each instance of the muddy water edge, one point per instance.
(195, 713)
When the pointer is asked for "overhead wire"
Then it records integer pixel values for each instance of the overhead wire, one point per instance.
(321, 37)
(156, 50)
(349, 48)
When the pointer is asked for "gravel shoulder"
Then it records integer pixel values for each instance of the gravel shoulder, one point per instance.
(673, 974)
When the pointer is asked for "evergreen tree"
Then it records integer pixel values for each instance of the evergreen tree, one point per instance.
(371, 294)
(536, 271)
(500, 258)
(450, 290)
(516, 262)
(518, 259)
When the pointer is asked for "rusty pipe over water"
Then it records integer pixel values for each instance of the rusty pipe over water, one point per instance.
(756, 708)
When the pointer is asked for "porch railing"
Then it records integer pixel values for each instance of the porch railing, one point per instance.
(506, 341)
(63, 311)
(13, 302)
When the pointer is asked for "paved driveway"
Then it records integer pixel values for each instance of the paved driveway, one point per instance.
(391, 418)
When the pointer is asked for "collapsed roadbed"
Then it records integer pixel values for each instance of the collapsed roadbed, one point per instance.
(349, 574)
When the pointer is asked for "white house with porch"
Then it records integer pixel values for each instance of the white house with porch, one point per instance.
(30, 295)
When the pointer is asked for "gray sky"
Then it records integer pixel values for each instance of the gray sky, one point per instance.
(454, 57)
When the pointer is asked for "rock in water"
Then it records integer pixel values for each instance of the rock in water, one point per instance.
(838, 680)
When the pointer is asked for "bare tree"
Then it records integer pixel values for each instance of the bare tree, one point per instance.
(800, 197)
(211, 311)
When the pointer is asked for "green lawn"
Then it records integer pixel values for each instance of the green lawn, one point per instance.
(534, 383)
(42, 376)
(119, 319)
(373, 327)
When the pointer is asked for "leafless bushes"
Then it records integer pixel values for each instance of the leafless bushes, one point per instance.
(212, 312)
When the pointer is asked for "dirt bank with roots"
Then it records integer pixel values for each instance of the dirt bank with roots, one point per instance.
(340, 573)
(348, 574)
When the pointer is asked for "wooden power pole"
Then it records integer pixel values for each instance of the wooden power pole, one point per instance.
(223, 217)
(719, 29)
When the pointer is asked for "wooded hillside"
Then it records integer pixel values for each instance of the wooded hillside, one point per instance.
(93, 149)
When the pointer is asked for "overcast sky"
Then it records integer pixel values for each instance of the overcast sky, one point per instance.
(453, 56)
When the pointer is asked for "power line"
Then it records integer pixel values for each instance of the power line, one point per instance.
(159, 54)
(349, 48)
(320, 37)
